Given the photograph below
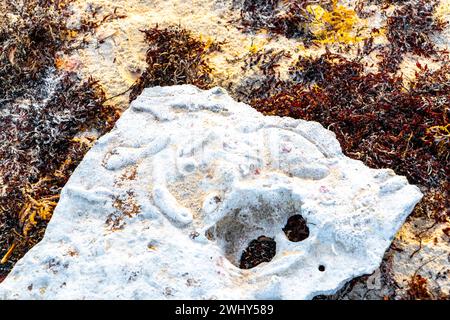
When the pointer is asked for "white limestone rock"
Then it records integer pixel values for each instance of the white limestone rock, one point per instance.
(164, 205)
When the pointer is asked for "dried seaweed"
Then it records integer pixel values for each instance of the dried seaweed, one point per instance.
(256, 14)
(289, 18)
(43, 113)
(265, 78)
(418, 288)
(293, 21)
(30, 35)
(175, 56)
(410, 30)
(259, 250)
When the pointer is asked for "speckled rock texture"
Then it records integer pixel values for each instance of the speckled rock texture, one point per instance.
(163, 207)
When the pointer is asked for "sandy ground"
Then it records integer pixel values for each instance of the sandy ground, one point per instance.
(116, 51)
(115, 54)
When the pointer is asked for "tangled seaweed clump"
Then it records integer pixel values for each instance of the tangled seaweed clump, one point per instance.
(288, 18)
(418, 288)
(32, 32)
(324, 22)
(265, 78)
(411, 29)
(375, 118)
(30, 35)
(48, 118)
(175, 56)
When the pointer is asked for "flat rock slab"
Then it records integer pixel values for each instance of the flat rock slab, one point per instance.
(166, 205)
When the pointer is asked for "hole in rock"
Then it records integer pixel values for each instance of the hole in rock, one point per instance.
(296, 228)
(259, 250)
(321, 268)
(246, 215)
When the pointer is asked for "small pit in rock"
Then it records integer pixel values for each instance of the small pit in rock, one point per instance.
(258, 251)
(296, 228)
(321, 268)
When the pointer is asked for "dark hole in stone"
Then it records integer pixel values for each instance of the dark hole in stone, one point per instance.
(259, 250)
(296, 229)
(321, 268)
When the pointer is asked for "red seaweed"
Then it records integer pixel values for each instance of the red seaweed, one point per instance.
(175, 56)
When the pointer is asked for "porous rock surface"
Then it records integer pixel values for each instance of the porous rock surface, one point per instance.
(163, 206)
